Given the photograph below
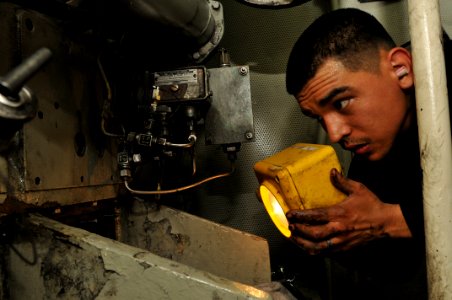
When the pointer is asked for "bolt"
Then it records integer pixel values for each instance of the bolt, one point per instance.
(174, 87)
(216, 5)
(243, 71)
(249, 135)
(190, 112)
(196, 55)
(168, 153)
(136, 157)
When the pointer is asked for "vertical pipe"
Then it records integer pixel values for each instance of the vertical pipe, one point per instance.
(434, 142)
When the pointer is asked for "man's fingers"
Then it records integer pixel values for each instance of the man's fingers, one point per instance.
(308, 216)
(313, 233)
(340, 182)
(314, 248)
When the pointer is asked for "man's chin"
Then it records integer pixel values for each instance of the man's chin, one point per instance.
(372, 155)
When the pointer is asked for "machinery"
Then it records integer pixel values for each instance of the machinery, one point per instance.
(137, 124)
(172, 108)
(143, 117)
(114, 107)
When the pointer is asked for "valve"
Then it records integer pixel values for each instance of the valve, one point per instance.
(17, 102)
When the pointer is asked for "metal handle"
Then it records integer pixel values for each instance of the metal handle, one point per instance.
(12, 83)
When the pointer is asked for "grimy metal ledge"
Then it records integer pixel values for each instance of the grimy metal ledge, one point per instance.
(48, 260)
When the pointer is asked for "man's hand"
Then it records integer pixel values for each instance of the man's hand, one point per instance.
(359, 219)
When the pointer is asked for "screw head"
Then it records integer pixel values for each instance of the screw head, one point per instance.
(249, 135)
(215, 5)
(243, 71)
(136, 157)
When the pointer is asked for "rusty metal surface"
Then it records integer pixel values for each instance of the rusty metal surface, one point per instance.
(49, 260)
(60, 156)
(199, 243)
(7, 52)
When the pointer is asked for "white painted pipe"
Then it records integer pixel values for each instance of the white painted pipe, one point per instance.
(434, 142)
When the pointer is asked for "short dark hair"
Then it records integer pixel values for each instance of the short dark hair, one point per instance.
(349, 35)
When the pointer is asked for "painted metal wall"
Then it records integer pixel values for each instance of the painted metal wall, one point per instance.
(262, 39)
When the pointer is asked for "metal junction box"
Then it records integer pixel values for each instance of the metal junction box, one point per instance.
(230, 116)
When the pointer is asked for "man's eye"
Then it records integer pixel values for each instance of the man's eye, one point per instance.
(341, 104)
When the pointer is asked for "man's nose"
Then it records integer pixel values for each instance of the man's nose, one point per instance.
(336, 128)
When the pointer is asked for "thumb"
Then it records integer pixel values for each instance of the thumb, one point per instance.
(340, 182)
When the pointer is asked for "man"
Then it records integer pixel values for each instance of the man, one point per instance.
(346, 71)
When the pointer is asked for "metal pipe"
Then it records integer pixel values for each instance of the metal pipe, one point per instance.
(191, 16)
(434, 142)
(13, 82)
(191, 143)
(180, 189)
(201, 20)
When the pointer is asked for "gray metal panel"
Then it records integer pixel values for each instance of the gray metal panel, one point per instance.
(393, 15)
(262, 40)
(230, 116)
(446, 15)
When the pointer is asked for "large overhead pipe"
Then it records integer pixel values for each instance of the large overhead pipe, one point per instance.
(201, 20)
(434, 142)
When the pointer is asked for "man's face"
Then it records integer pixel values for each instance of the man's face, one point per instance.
(363, 111)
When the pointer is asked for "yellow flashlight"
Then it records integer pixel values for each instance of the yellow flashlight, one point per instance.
(297, 178)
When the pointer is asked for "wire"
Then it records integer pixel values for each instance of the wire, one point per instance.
(102, 125)
(193, 165)
(181, 188)
(107, 103)
(104, 77)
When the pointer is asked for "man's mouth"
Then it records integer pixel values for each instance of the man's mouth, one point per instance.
(362, 149)
(359, 149)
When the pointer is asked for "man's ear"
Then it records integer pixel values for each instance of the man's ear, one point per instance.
(402, 68)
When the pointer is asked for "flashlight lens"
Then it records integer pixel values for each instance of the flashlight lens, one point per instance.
(273, 205)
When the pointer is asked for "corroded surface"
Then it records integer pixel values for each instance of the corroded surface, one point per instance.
(199, 243)
(55, 261)
(60, 157)
(160, 239)
(69, 273)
